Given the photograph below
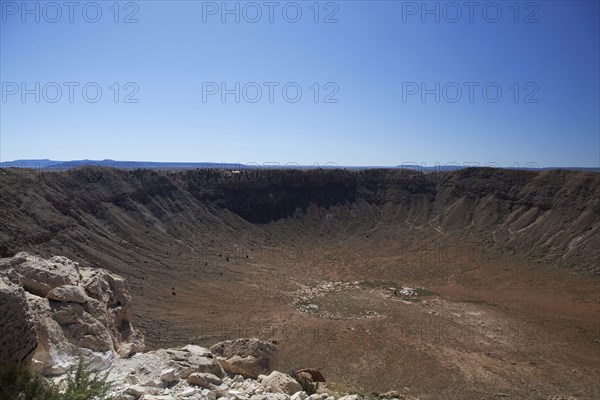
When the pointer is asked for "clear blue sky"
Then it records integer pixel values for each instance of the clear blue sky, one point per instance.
(376, 56)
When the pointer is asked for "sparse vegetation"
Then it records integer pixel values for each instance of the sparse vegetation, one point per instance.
(19, 383)
(83, 384)
(94, 313)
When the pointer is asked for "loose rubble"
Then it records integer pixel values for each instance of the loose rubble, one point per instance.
(305, 299)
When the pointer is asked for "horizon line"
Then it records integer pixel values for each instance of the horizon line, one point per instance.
(126, 164)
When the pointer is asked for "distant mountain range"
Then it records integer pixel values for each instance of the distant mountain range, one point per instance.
(64, 165)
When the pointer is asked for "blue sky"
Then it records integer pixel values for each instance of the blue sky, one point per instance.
(370, 60)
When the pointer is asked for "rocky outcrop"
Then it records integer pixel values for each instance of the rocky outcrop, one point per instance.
(247, 357)
(72, 312)
(17, 333)
(38, 276)
(69, 294)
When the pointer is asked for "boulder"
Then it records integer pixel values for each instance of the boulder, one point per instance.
(169, 375)
(137, 390)
(278, 381)
(192, 358)
(247, 357)
(69, 294)
(205, 380)
(299, 396)
(18, 337)
(208, 394)
(38, 276)
(310, 375)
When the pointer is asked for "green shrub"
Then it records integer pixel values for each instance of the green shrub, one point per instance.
(83, 384)
(19, 383)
